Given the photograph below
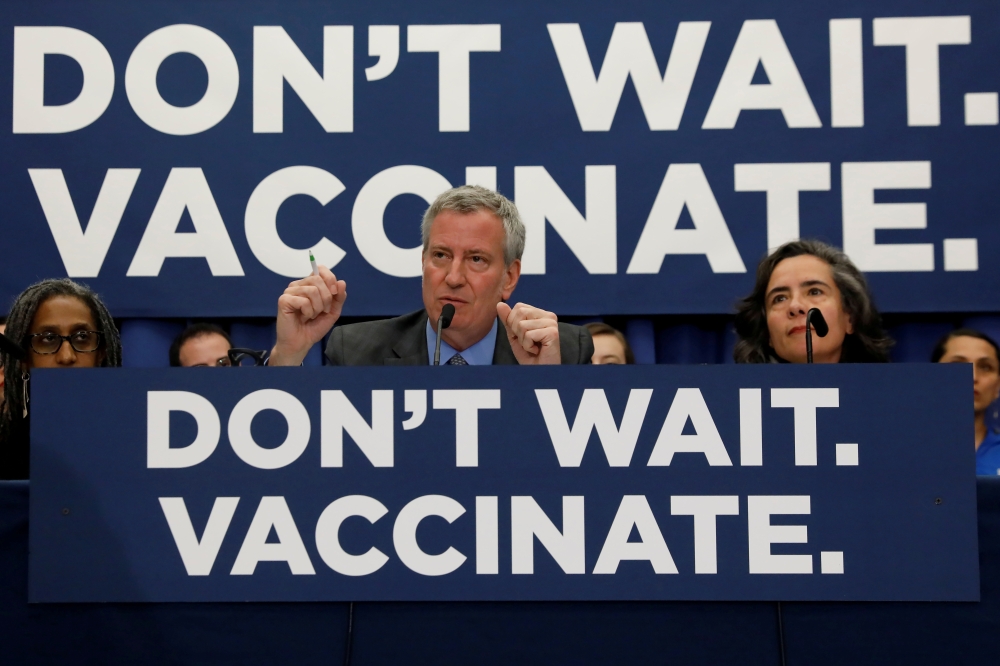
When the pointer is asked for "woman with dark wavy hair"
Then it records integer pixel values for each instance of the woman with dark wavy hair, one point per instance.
(798, 276)
(59, 324)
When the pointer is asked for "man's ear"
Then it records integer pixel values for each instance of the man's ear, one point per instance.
(511, 275)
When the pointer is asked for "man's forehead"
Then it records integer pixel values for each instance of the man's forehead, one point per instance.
(468, 217)
(208, 337)
(482, 229)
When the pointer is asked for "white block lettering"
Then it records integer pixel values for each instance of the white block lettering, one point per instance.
(847, 89)
(30, 113)
(83, 252)
(487, 535)
(329, 97)
(567, 548)
(805, 402)
(634, 511)
(161, 115)
(367, 218)
(159, 454)
(261, 219)
(705, 509)
(415, 403)
(760, 42)
(922, 35)
(453, 44)
(862, 216)
(185, 189)
(686, 185)
(593, 413)
(197, 555)
(339, 414)
(782, 182)
(762, 534)
(593, 239)
(328, 535)
(383, 43)
(751, 429)
(241, 438)
(596, 97)
(689, 404)
(272, 512)
(404, 535)
(467, 404)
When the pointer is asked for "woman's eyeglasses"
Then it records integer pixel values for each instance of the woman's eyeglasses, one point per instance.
(83, 342)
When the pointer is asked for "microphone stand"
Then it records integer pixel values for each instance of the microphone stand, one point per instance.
(814, 318)
(444, 321)
(809, 336)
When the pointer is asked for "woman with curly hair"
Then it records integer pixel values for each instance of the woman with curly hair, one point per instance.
(59, 324)
(798, 276)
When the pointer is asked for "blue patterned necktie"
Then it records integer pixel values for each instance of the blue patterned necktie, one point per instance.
(457, 360)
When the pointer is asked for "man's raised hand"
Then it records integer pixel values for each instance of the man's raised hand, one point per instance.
(307, 310)
(533, 334)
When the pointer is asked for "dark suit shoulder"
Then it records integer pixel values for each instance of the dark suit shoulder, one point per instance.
(576, 347)
(376, 342)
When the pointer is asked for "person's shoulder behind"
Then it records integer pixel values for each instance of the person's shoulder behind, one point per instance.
(576, 346)
(988, 456)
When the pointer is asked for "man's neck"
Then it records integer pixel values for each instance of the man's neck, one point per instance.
(462, 340)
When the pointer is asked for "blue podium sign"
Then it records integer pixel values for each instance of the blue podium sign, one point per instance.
(503, 483)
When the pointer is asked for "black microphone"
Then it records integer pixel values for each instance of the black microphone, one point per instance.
(11, 347)
(444, 321)
(814, 318)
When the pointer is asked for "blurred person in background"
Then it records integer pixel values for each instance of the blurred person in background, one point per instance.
(798, 276)
(60, 324)
(610, 346)
(201, 345)
(3, 328)
(969, 346)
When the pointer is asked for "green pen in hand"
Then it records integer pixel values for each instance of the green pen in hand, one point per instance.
(312, 261)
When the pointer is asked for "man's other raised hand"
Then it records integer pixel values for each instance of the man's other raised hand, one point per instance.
(307, 310)
(533, 334)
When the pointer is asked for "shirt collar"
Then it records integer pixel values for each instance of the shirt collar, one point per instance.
(991, 440)
(480, 353)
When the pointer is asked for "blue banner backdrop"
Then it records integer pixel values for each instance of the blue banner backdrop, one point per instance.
(725, 483)
(181, 156)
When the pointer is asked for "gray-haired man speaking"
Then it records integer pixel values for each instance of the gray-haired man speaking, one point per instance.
(473, 239)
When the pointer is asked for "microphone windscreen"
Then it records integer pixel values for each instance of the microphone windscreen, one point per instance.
(447, 313)
(818, 322)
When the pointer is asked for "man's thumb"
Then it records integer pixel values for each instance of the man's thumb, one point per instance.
(503, 310)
